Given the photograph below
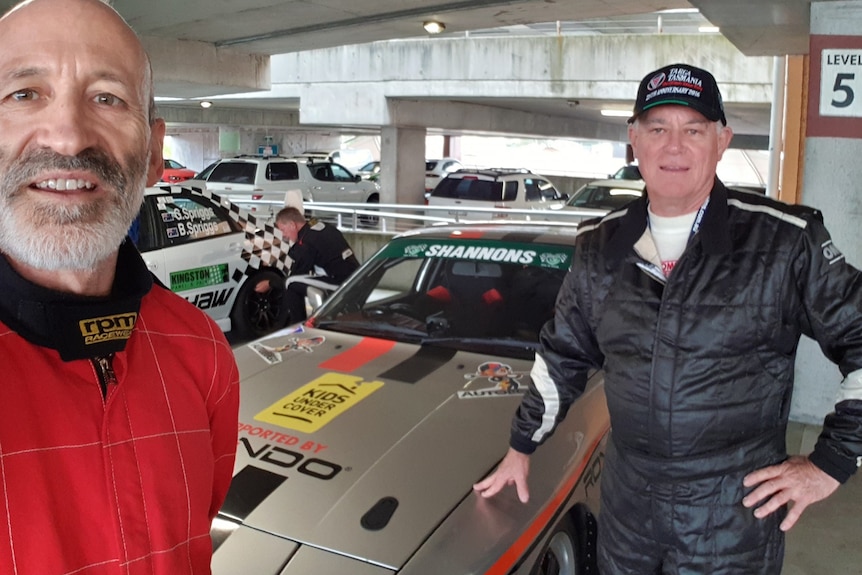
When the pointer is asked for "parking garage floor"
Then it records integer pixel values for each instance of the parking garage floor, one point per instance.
(826, 540)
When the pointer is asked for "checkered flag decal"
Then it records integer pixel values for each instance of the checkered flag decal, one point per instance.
(263, 246)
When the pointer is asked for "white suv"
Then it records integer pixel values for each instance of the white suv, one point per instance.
(247, 178)
(213, 254)
(501, 189)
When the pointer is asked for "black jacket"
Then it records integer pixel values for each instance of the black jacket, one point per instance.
(702, 362)
(320, 245)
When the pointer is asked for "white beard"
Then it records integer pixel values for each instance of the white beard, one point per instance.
(52, 236)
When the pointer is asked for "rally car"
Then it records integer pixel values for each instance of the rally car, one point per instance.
(213, 253)
(362, 431)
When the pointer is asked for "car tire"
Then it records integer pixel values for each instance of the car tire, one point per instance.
(367, 221)
(257, 314)
(570, 550)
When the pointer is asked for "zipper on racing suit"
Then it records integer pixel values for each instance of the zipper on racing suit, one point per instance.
(105, 372)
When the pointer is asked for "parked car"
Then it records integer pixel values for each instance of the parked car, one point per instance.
(435, 170)
(500, 189)
(362, 431)
(627, 172)
(212, 253)
(347, 157)
(606, 194)
(370, 171)
(244, 179)
(175, 172)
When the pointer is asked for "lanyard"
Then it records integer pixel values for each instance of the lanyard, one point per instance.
(695, 226)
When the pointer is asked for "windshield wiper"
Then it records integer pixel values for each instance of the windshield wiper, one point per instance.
(368, 328)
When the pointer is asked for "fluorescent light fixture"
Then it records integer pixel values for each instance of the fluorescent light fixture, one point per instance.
(708, 29)
(206, 104)
(433, 27)
(679, 11)
(616, 113)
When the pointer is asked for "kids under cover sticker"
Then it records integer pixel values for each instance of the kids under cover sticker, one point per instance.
(273, 355)
(506, 381)
(317, 403)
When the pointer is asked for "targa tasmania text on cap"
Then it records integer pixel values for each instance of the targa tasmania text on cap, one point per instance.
(682, 85)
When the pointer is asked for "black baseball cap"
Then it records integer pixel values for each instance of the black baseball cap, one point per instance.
(682, 85)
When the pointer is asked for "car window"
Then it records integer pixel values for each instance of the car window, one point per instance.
(475, 295)
(510, 193)
(469, 189)
(322, 172)
(429, 166)
(279, 171)
(340, 174)
(175, 219)
(205, 173)
(233, 173)
(172, 165)
(451, 166)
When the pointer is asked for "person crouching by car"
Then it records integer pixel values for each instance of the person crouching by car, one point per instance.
(321, 258)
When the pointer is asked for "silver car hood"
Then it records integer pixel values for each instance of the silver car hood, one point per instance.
(362, 446)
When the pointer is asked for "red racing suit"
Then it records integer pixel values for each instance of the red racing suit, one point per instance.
(119, 467)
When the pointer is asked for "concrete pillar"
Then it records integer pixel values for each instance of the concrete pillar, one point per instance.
(402, 165)
(833, 146)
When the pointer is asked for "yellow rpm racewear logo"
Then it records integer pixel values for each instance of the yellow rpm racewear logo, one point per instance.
(317, 403)
(107, 328)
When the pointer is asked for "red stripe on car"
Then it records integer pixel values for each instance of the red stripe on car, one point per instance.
(364, 352)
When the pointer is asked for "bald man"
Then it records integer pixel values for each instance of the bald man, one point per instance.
(118, 399)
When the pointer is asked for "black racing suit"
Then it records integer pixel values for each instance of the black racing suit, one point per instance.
(698, 374)
(318, 245)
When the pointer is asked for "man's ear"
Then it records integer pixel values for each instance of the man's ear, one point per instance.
(156, 167)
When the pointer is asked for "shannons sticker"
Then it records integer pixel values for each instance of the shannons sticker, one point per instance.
(540, 255)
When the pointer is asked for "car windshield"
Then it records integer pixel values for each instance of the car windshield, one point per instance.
(470, 188)
(603, 197)
(482, 296)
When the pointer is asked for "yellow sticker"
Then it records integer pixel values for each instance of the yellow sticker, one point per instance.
(317, 403)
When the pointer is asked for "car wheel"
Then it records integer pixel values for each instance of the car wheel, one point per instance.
(571, 547)
(370, 221)
(257, 314)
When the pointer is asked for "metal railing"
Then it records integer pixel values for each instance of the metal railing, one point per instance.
(397, 218)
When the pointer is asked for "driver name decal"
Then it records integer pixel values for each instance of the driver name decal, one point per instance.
(317, 403)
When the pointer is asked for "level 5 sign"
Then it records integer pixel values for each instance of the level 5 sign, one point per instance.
(841, 83)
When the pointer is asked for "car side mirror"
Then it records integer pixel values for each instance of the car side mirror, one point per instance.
(357, 178)
(564, 196)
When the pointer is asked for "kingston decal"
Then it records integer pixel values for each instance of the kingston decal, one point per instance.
(199, 277)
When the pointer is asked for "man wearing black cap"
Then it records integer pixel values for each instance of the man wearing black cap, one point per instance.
(693, 300)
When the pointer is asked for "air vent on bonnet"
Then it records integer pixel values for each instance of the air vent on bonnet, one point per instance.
(379, 515)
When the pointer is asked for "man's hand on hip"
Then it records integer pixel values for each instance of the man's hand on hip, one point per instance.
(796, 482)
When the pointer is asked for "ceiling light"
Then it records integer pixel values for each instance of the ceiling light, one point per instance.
(712, 29)
(206, 104)
(616, 113)
(433, 27)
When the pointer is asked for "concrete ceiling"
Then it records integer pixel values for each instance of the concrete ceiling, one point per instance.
(756, 27)
(265, 27)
